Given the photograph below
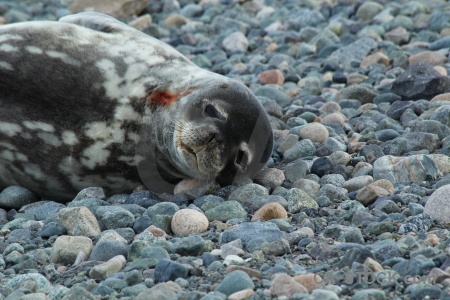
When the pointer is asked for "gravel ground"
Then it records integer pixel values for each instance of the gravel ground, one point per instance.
(354, 203)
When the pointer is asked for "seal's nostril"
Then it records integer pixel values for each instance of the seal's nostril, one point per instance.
(211, 138)
(240, 157)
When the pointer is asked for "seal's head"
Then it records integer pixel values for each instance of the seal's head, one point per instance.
(220, 132)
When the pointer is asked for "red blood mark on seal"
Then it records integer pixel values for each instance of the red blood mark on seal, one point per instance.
(166, 98)
(163, 97)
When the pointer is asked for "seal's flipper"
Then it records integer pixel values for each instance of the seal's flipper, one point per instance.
(96, 21)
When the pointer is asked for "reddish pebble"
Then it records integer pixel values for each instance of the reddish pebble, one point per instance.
(270, 211)
(271, 77)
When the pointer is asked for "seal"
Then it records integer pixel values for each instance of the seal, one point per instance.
(89, 101)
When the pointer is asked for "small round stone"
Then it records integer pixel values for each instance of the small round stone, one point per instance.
(314, 132)
(270, 211)
(16, 197)
(271, 77)
(270, 177)
(336, 118)
(432, 239)
(187, 221)
(186, 185)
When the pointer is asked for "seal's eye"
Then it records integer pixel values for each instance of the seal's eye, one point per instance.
(241, 158)
(212, 112)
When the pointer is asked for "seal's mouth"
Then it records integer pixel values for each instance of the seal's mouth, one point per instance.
(200, 158)
(189, 151)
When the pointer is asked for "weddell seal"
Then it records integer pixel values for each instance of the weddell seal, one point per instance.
(89, 101)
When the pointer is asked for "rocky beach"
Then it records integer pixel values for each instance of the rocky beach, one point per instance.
(354, 202)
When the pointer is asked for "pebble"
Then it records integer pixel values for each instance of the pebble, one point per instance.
(298, 199)
(187, 221)
(225, 211)
(252, 230)
(163, 291)
(79, 221)
(18, 280)
(436, 206)
(301, 149)
(105, 269)
(420, 81)
(357, 183)
(411, 169)
(369, 294)
(376, 58)
(270, 211)
(270, 178)
(234, 282)
(42, 209)
(113, 217)
(369, 194)
(398, 35)
(141, 22)
(167, 270)
(16, 197)
(66, 248)
(190, 245)
(244, 294)
(271, 77)
(248, 191)
(106, 249)
(285, 285)
(236, 42)
(233, 259)
(429, 57)
(315, 132)
(118, 9)
(309, 281)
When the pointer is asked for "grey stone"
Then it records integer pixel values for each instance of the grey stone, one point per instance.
(162, 208)
(386, 249)
(15, 282)
(418, 223)
(420, 81)
(415, 168)
(225, 211)
(298, 199)
(372, 294)
(355, 255)
(377, 228)
(235, 281)
(301, 149)
(42, 209)
(192, 245)
(418, 265)
(356, 51)
(344, 233)
(107, 249)
(432, 126)
(166, 270)
(113, 217)
(248, 191)
(250, 230)
(90, 192)
(437, 205)
(296, 170)
(16, 197)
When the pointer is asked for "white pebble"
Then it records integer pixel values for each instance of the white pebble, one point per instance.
(187, 221)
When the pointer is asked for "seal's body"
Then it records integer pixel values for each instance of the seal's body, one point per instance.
(89, 101)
